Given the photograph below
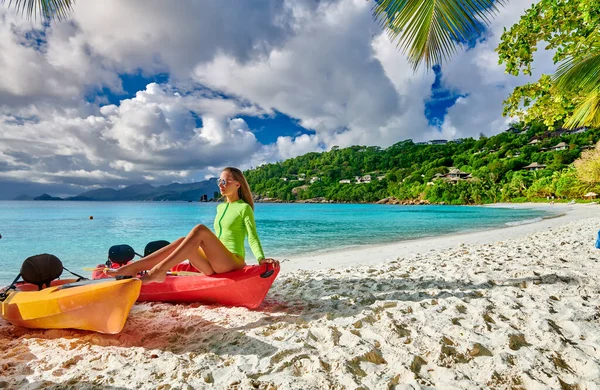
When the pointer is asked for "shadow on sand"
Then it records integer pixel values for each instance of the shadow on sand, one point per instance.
(314, 299)
(167, 332)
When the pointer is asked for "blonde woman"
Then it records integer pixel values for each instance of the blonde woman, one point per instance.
(208, 252)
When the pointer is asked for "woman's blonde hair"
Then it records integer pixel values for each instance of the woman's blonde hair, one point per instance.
(244, 191)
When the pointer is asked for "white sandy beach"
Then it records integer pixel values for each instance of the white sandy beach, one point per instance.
(512, 308)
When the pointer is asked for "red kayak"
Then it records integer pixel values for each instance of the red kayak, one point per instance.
(246, 287)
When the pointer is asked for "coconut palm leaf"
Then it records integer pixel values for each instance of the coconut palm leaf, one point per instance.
(45, 9)
(587, 113)
(430, 30)
(581, 74)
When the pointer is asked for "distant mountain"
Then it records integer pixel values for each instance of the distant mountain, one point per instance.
(172, 192)
(46, 197)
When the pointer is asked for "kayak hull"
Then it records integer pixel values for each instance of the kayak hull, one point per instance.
(246, 287)
(87, 305)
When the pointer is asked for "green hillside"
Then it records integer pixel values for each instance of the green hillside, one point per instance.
(465, 171)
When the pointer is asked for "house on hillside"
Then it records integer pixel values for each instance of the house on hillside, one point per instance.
(363, 179)
(314, 179)
(453, 176)
(456, 174)
(344, 181)
(534, 142)
(559, 146)
(534, 167)
(587, 147)
(380, 177)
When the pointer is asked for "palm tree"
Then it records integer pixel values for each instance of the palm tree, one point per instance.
(430, 31)
(46, 9)
(581, 74)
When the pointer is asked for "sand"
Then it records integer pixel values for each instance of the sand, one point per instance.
(513, 308)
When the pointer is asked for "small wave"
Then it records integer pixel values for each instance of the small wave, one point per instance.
(523, 222)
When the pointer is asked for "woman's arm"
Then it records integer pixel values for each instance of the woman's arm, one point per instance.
(253, 240)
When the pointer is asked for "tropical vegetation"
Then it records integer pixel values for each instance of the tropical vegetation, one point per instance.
(464, 171)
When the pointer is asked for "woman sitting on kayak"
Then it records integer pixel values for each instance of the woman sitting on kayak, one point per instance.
(207, 252)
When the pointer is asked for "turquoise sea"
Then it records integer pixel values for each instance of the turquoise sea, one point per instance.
(65, 229)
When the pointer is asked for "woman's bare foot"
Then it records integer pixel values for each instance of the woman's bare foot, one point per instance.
(154, 276)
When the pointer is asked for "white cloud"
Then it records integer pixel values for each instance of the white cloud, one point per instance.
(38, 64)
(161, 36)
(153, 133)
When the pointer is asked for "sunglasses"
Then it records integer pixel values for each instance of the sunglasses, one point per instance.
(223, 182)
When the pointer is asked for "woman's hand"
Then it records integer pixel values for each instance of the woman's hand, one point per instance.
(269, 261)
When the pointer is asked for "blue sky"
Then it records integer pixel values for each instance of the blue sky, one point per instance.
(442, 98)
(159, 93)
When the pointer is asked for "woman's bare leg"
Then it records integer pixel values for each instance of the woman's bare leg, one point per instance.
(147, 262)
(214, 257)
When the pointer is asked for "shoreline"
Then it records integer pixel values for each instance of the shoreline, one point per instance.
(377, 253)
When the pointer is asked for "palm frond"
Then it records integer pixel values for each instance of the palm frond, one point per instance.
(45, 9)
(587, 113)
(431, 30)
(580, 73)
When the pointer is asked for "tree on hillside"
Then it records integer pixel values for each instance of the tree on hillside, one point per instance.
(567, 184)
(588, 166)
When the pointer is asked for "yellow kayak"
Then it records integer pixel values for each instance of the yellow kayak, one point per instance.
(97, 305)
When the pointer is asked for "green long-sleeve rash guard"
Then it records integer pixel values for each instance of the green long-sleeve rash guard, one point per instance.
(233, 222)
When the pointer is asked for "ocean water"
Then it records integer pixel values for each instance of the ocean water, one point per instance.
(65, 229)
